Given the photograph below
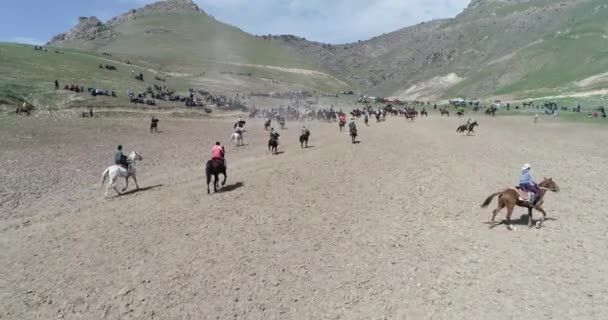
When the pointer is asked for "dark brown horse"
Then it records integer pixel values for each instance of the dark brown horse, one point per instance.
(468, 128)
(304, 139)
(215, 167)
(509, 198)
(353, 135)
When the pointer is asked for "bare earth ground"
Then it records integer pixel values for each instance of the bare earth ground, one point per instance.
(386, 229)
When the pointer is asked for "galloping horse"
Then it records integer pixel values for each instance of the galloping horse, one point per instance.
(237, 139)
(273, 143)
(115, 171)
(304, 139)
(468, 128)
(510, 198)
(215, 167)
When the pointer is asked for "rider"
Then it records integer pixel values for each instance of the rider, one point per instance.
(305, 131)
(274, 135)
(527, 183)
(342, 117)
(120, 159)
(218, 153)
(352, 126)
(239, 130)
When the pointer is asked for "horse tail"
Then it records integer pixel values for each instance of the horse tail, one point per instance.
(489, 199)
(104, 175)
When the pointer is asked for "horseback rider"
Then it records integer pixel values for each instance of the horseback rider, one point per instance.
(526, 182)
(274, 135)
(218, 153)
(120, 159)
(468, 122)
(239, 130)
(352, 126)
(305, 131)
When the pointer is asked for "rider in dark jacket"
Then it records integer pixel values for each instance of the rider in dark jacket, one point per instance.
(120, 159)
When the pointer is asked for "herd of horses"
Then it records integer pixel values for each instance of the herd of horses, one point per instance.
(508, 198)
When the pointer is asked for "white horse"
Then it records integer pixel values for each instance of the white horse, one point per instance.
(237, 139)
(115, 171)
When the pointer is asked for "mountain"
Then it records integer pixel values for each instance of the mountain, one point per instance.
(513, 48)
(507, 49)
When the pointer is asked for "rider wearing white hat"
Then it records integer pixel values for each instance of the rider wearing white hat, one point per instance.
(526, 182)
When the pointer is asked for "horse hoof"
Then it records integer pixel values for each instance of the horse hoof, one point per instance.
(511, 227)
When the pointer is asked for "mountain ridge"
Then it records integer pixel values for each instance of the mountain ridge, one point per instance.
(492, 47)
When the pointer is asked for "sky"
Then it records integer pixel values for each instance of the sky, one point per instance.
(330, 21)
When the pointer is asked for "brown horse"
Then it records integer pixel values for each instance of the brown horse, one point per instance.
(509, 198)
(469, 128)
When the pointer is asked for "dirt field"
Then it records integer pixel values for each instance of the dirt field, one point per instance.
(390, 228)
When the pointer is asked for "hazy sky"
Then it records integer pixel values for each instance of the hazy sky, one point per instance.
(333, 21)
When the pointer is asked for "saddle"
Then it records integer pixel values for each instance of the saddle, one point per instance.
(524, 195)
(216, 163)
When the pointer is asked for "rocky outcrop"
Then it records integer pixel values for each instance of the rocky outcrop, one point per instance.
(87, 29)
(91, 28)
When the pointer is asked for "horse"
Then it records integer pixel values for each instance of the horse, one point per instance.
(510, 198)
(460, 114)
(237, 139)
(424, 113)
(342, 124)
(267, 124)
(25, 108)
(353, 135)
(467, 127)
(215, 167)
(240, 124)
(304, 139)
(273, 143)
(115, 171)
(444, 112)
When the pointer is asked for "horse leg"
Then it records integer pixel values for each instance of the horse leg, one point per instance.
(126, 183)
(108, 186)
(136, 184)
(113, 184)
(495, 212)
(225, 178)
(215, 182)
(510, 208)
(208, 182)
(542, 219)
(529, 217)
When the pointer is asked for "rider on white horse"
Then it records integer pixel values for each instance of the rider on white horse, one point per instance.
(120, 169)
(120, 159)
